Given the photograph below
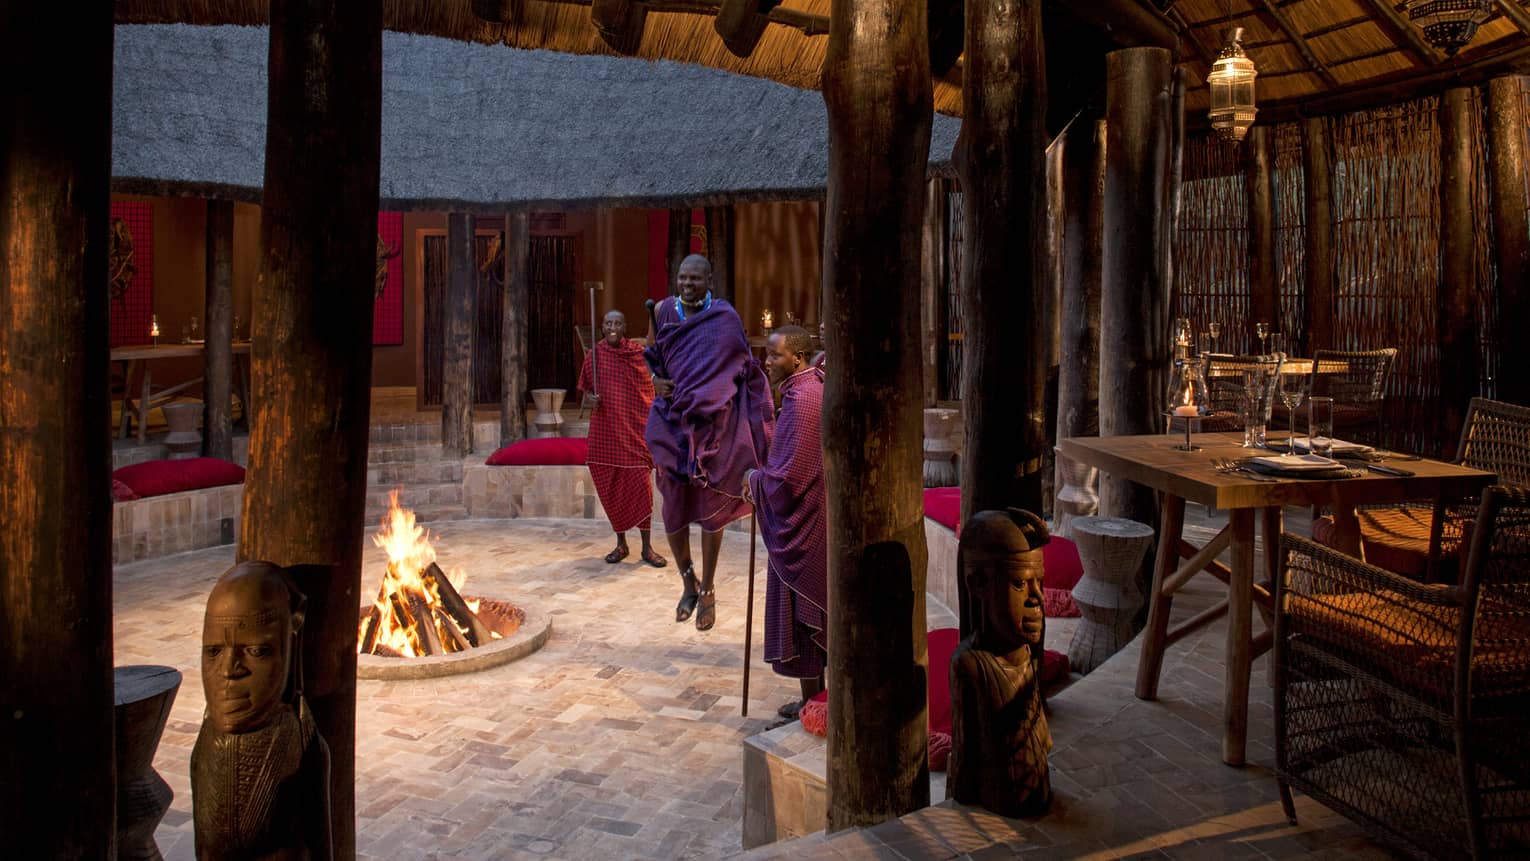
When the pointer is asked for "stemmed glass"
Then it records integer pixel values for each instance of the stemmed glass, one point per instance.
(1262, 330)
(1214, 329)
(1293, 387)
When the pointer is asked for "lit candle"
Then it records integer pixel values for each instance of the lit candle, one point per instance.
(767, 319)
(1187, 408)
(154, 327)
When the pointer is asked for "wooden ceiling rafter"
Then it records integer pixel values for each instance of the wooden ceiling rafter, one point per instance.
(741, 23)
(1402, 30)
(1300, 44)
(1512, 10)
(1189, 36)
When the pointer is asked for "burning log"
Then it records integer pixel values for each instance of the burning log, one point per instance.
(425, 624)
(369, 630)
(477, 632)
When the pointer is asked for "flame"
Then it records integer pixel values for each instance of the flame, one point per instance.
(409, 554)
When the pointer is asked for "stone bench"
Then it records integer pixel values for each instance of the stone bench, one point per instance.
(564, 490)
(157, 526)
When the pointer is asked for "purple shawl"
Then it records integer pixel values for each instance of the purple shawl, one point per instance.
(789, 494)
(715, 424)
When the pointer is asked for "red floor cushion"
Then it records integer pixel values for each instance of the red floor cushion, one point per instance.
(547, 451)
(943, 505)
(942, 643)
(158, 477)
(121, 492)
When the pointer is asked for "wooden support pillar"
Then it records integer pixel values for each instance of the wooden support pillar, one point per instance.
(1051, 300)
(720, 250)
(514, 330)
(458, 324)
(1259, 182)
(679, 243)
(1318, 235)
(932, 287)
(1508, 166)
(1001, 152)
(1078, 382)
(1134, 289)
(1458, 261)
(305, 492)
(56, 757)
(876, 84)
(218, 353)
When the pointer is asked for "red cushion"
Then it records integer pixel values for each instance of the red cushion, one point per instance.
(1063, 567)
(1054, 666)
(158, 477)
(1059, 604)
(121, 492)
(547, 451)
(815, 714)
(940, 750)
(942, 643)
(943, 505)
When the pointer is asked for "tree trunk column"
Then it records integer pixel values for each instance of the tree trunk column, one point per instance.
(1078, 382)
(1508, 165)
(56, 760)
(1263, 286)
(305, 492)
(1318, 236)
(932, 289)
(1134, 294)
(876, 83)
(458, 325)
(1001, 158)
(514, 329)
(218, 351)
(1458, 262)
(720, 251)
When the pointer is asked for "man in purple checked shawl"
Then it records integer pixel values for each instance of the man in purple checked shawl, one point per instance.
(788, 496)
(709, 423)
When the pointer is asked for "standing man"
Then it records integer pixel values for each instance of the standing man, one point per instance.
(619, 392)
(788, 498)
(709, 424)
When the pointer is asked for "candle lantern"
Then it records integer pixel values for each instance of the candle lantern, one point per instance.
(1231, 84)
(154, 329)
(1189, 399)
(767, 320)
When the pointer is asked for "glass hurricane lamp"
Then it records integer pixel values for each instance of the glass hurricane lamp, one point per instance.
(1232, 89)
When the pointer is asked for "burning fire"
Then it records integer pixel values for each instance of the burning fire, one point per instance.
(419, 610)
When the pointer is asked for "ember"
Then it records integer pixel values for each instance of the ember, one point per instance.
(419, 610)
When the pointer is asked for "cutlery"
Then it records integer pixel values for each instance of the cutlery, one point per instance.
(1389, 470)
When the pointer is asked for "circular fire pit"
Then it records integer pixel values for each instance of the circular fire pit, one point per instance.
(522, 630)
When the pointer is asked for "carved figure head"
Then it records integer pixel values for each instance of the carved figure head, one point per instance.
(249, 645)
(1002, 566)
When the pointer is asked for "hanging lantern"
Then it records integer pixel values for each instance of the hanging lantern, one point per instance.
(1449, 24)
(1232, 88)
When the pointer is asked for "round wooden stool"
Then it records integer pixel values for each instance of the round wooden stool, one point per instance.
(1111, 550)
(143, 695)
(1076, 496)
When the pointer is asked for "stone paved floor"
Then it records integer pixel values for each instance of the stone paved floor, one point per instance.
(622, 738)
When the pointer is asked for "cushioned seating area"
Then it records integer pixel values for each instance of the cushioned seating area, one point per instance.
(1397, 539)
(158, 477)
(547, 451)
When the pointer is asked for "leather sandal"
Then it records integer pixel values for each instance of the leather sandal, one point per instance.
(617, 555)
(689, 597)
(706, 613)
(654, 559)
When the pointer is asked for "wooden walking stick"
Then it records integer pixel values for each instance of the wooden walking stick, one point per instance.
(749, 616)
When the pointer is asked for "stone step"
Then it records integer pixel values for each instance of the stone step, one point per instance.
(395, 433)
(415, 497)
(388, 475)
(425, 513)
(404, 452)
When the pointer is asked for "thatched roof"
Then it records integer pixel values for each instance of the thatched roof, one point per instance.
(479, 127)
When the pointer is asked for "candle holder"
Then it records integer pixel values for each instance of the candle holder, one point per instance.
(1189, 400)
(154, 329)
(767, 320)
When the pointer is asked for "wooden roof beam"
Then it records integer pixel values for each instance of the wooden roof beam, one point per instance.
(1188, 36)
(1402, 31)
(499, 11)
(1300, 43)
(620, 23)
(1516, 13)
(741, 23)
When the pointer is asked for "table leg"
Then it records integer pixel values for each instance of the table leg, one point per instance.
(1239, 636)
(143, 404)
(1346, 525)
(130, 383)
(1150, 662)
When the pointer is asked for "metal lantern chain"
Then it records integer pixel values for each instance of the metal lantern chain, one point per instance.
(1449, 24)
(1232, 88)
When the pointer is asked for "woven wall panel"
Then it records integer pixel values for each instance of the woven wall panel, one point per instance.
(1211, 252)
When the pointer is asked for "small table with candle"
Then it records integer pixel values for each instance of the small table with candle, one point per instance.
(137, 396)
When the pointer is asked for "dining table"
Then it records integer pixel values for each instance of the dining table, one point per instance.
(1156, 461)
(138, 396)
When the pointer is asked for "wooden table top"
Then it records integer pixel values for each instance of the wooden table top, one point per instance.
(1153, 460)
(167, 351)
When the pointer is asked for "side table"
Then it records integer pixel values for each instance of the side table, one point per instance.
(143, 695)
(1111, 550)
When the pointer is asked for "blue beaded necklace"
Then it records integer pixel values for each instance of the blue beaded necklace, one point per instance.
(680, 306)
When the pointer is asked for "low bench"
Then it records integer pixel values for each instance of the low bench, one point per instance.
(163, 507)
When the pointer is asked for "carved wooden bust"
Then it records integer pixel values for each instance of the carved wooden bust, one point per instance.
(259, 770)
(999, 734)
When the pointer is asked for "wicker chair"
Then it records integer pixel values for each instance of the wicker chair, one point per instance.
(1406, 707)
(1357, 382)
(1424, 540)
(1224, 384)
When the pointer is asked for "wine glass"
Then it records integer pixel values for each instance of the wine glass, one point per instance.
(1262, 331)
(1214, 329)
(1293, 387)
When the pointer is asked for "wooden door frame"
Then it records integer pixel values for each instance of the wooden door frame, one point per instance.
(418, 293)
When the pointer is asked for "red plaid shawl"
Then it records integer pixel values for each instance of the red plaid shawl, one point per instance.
(619, 461)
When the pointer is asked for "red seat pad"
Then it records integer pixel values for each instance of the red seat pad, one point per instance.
(158, 477)
(547, 451)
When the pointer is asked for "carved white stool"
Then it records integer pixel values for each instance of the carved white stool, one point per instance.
(1111, 550)
(1076, 496)
(549, 403)
(184, 439)
(939, 448)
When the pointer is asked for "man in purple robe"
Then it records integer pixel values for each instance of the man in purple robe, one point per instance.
(709, 423)
(788, 497)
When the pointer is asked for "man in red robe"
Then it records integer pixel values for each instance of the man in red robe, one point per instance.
(617, 386)
(789, 499)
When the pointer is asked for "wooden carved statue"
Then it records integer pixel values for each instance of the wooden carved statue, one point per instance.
(999, 734)
(385, 252)
(120, 263)
(259, 770)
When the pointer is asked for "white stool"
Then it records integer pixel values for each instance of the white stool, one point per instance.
(1111, 550)
(1076, 496)
(185, 437)
(549, 403)
(939, 448)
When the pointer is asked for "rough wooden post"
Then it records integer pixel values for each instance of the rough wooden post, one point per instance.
(218, 352)
(932, 287)
(305, 492)
(458, 323)
(1458, 261)
(679, 243)
(1508, 166)
(1259, 180)
(1078, 382)
(720, 250)
(514, 330)
(1134, 290)
(1318, 235)
(876, 83)
(56, 760)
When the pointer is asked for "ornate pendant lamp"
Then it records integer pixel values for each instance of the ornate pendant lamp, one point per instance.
(1232, 88)
(1449, 24)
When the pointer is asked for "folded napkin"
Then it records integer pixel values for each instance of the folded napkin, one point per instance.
(1297, 463)
(1341, 447)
